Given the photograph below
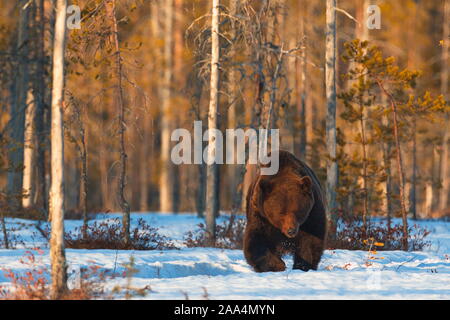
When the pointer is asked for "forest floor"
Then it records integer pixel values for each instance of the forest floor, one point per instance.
(199, 273)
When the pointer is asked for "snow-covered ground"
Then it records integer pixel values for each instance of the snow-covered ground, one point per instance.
(224, 274)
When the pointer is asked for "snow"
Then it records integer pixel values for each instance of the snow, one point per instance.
(224, 274)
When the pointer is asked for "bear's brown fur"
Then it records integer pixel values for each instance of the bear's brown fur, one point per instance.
(285, 214)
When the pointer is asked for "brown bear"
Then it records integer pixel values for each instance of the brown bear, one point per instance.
(285, 214)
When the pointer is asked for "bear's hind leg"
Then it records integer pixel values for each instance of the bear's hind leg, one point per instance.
(308, 252)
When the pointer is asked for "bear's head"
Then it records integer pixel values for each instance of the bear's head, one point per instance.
(286, 201)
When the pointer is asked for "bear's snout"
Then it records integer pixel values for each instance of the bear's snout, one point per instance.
(291, 228)
(292, 232)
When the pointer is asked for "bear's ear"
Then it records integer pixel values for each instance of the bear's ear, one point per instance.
(306, 184)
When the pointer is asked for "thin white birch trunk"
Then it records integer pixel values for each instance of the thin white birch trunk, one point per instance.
(212, 173)
(445, 170)
(57, 252)
(300, 83)
(428, 207)
(231, 112)
(166, 179)
(18, 107)
(330, 83)
(28, 153)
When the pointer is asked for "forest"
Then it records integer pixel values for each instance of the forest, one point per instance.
(98, 96)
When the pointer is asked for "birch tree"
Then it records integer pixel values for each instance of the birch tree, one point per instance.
(29, 159)
(57, 252)
(166, 179)
(28, 154)
(212, 171)
(330, 87)
(232, 96)
(445, 172)
(18, 107)
(302, 91)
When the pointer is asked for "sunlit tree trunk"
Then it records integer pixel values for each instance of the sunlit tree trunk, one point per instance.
(144, 171)
(232, 104)
(412, 191)
(386, 185)
(410, 182)
(212, 170)
(166, 201)
(122, 126)
(330, 83)
(18, 107)
(83, 196)
(430, 189)
(177, 82)
(362, 124)
(429, 194)
(435, 175)
(103, 165)
(57, 252)
(399, 160)
(104, 168)
(445, 165)
(29, 154)
(302, 92)
(362, 32)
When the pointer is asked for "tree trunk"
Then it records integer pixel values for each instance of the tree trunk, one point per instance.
(232, 103)
(18, 108)
(435, 176)
(401, 176)
(28, 154)
(104, 169)
(330, 83)
(177, 82)
(103, 165)
(387, 186)
(429, 195)
(445, 172)
(4, 230)
(212, 170)
(362, 32)
(302, 92)
(412, 193)
(144, 164)
(83, 178)
(201, 191)
(166, 201)
(122, 127)
(57, 252)
(364, 163)
(39, 89)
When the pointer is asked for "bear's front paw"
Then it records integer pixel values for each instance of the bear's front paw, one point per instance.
(273, 264)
